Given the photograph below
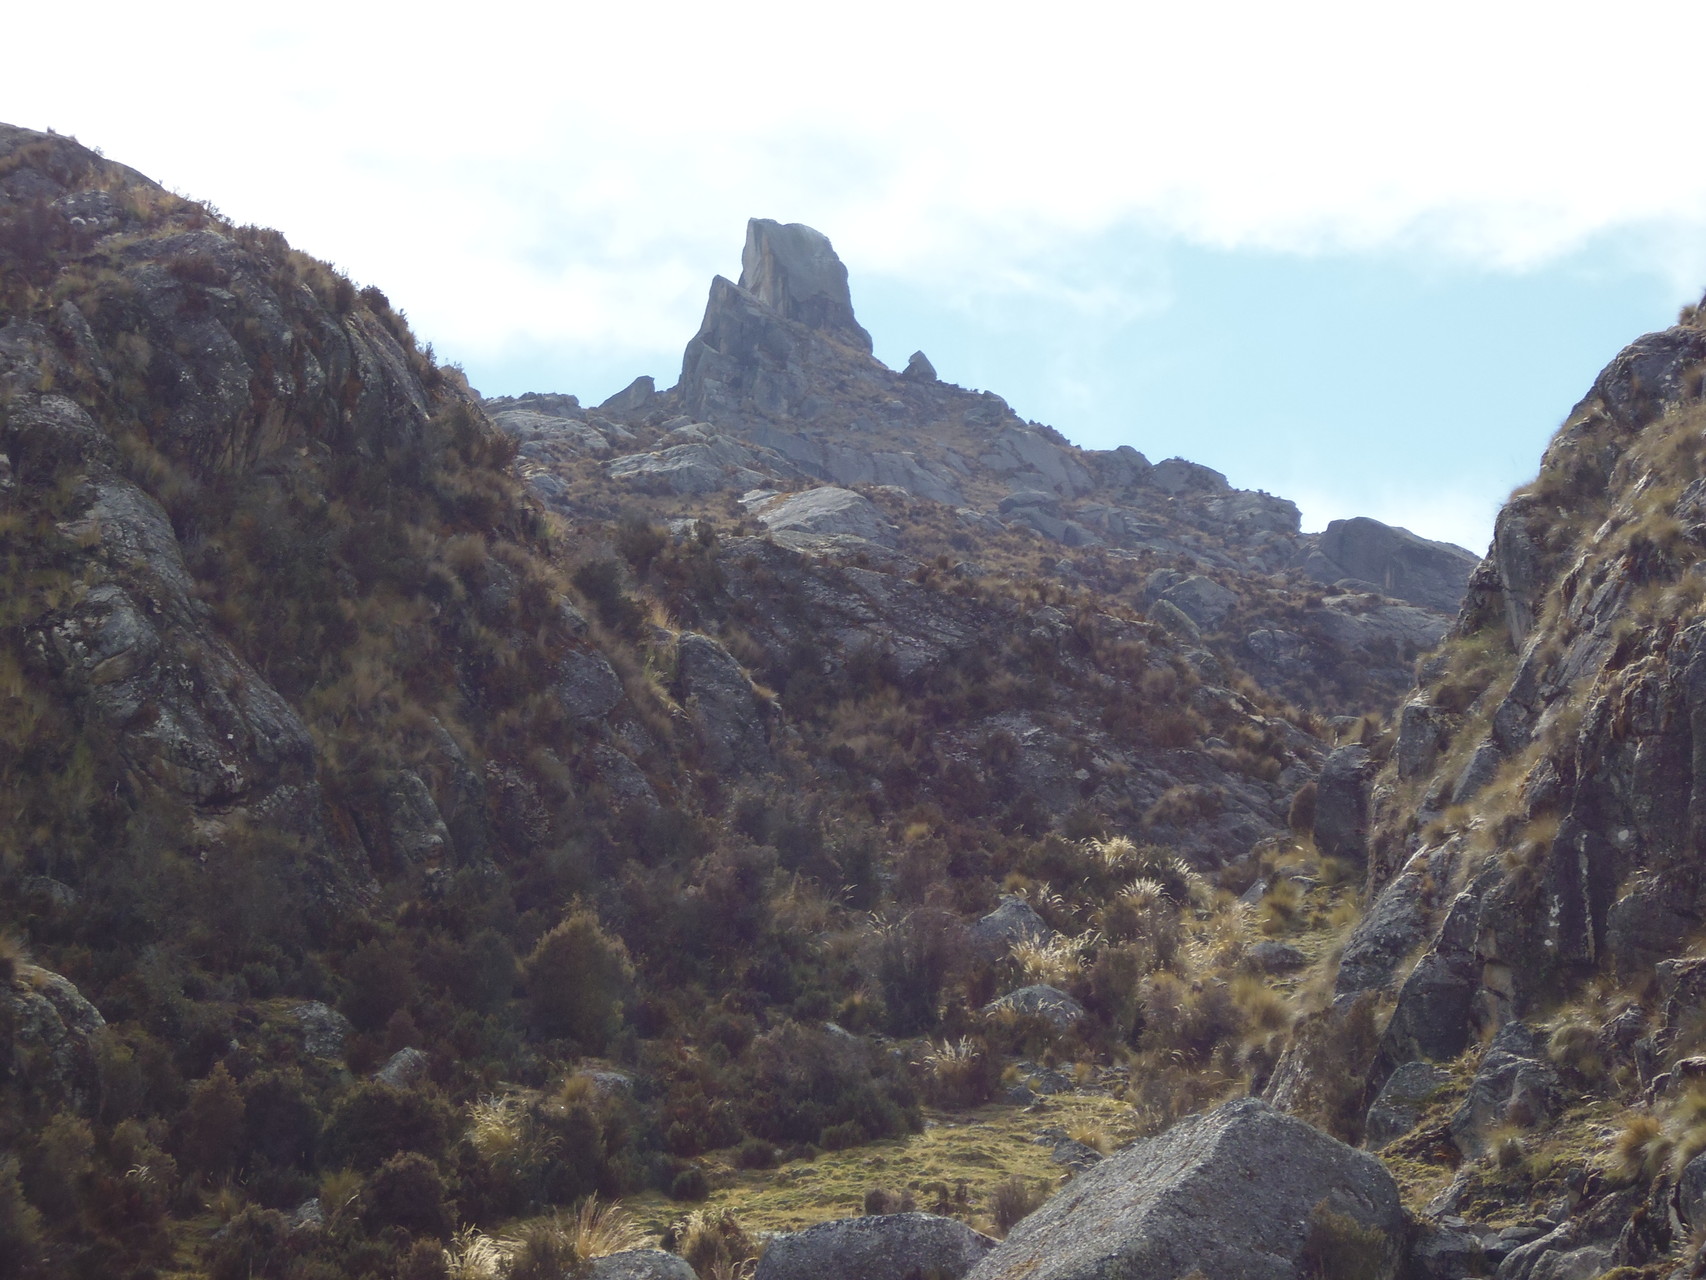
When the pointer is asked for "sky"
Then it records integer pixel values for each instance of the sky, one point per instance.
(1363, 256)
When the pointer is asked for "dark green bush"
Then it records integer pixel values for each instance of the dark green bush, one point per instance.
(576, 980)
(407, 1191)
(373, 1122)
(257, 1244)
(689, 1184)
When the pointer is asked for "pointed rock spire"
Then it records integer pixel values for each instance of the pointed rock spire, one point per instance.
(793, 270)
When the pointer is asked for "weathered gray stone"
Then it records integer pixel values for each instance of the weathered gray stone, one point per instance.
(1557, 1255)
(827, 510)
(793, 270)
(632, 397)
(696, 460)
(1394, 925)
(324, 1029)
(1167, 615)
(1395, 561)
(404, 1069)
(1013, 921)
(1444, 1253)
(1176, 476)
(1431, 1019)
(400, 823)
(53, 1034)
(587, 685)
(1341, 804)
(1201, 599)
(1228, 1194)
(1400, 1102)
(1690, 1200)
(1513, 1085)
(719, 696)
(892, 1246)
(1270, 956)
(919, 369)
(1422, 731)
(640, 1264)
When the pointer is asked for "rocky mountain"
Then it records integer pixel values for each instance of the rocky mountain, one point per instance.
(433, 818)
(779, 394)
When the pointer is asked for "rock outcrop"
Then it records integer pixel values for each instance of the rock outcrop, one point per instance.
(892, 1246)
(48, 1035)
(1392, 561)
(1235, 1192)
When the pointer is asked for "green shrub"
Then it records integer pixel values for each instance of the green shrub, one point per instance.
(374, 1121)
(576, 980)
(257, 1244)
(690, 1185)
(210, 1131)
(755, 1153)
(281, 1125)
(20, 1226)
(914, 958)
(407, 1191)
(1338, 1247)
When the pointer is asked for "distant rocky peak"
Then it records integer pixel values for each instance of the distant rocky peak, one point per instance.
(793, 270)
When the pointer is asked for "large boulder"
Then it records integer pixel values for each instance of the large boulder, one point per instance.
(1396, 561)
(1236, 1194)
(1341, 804)
(1401, 1101)
(1014, 921)
(827, 511)
(48, 1035)
(1203, 600)
(1513, 1085)
(890, 1246)
(640, 1264)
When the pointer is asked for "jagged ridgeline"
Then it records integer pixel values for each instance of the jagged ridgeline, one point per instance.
(429, 819)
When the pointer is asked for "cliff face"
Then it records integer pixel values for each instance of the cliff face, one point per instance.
(1535, 838)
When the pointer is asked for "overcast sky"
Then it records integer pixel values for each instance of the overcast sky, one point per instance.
(1364, 256)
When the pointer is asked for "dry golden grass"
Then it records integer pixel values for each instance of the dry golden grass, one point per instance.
(983, 1147)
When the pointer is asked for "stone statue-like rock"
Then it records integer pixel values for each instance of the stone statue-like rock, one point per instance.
(793, 270)
(890, 1246)
(919, 369)
(632, 397)
(1232, 1193)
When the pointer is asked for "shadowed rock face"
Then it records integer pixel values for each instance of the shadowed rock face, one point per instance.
(793, 270)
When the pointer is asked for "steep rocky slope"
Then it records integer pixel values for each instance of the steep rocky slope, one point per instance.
(1534, 845)
(420, 821)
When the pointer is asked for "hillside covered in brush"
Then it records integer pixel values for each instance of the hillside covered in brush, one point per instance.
(432, 819)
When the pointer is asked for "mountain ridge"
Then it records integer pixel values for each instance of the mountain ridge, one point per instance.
(429, 812)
